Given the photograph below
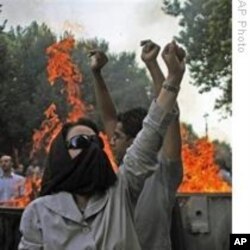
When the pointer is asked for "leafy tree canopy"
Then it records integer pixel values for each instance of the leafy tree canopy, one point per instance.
(206, 35)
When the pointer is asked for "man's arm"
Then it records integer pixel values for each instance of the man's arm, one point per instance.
(172, 140)
(104, 100)
(141, 158)
(150, 51)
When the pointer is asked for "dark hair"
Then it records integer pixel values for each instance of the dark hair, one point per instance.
(81, 121)
(132, 121)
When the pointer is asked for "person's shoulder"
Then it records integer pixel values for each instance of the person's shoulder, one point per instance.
(18, 177)
(32, 209)
(36, 202)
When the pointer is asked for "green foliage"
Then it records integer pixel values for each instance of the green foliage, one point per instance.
(26, 93)
(127, 82)
(206, 35)
(22, 75)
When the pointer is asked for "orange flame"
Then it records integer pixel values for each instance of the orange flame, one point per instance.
(48, 131)
(200, 171)
(60, 65)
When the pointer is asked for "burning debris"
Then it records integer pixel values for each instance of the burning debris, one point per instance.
(60, 66)
(49, 129)
(201, 173)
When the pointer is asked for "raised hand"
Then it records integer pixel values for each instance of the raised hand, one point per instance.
(97, 59)
(150, 51)
(174, 57)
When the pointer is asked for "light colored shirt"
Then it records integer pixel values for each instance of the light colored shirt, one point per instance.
(153, 213)
(11, 186)
(54, 222)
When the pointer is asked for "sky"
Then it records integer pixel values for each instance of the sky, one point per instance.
(123, 24)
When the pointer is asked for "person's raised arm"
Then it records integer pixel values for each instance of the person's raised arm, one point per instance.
(171, 85)
(172, 140)
(104, 101)
(141, 158)
(150, 51)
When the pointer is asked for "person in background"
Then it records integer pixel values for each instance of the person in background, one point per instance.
(19, 169)
(11, 184)
(156, 201)
(84, 204)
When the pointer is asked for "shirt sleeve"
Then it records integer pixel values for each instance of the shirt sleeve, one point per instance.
(171, 172)
(30, 230)
(140, 160)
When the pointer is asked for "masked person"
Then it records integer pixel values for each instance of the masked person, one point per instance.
(83, 203)
(157, 199)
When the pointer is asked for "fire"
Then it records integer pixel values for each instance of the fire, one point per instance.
(200, 171)
(60, 66)
(49, 129)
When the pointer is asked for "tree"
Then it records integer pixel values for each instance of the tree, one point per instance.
(23, 76)
(206, 35)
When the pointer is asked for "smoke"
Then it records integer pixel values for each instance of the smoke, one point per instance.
(23, 12)
(149, 12)
(20, 10)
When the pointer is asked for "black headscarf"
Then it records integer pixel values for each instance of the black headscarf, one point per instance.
(87, 173)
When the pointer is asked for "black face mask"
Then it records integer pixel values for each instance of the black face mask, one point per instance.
(87, 173)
